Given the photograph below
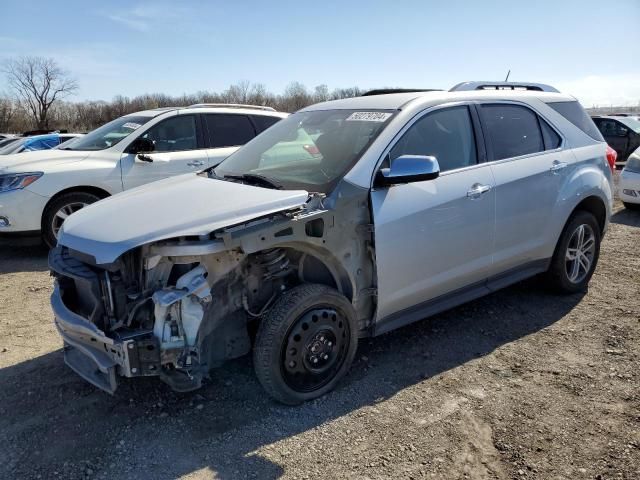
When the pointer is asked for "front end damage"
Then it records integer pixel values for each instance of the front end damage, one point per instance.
(177, 308)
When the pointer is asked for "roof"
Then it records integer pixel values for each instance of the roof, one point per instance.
(203, 108)
(395, 101)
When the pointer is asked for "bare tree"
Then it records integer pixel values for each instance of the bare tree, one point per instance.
(321, 93)
(295, 97)
(38, 83)
(7, 113)
(87, 115)
(238, 93)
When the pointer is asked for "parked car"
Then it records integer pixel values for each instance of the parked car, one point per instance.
(37, 142)
(414, 203)
(621, 133)
(6, 141)
(41, 189)
(629, 184)
(636, 116)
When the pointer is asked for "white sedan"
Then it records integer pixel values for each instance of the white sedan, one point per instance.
(630, 182)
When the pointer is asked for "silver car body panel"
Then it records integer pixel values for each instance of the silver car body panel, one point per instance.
(431, 238)
(186, 205)
(531, 203)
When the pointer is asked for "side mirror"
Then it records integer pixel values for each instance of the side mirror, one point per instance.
(407, 169)
(141, 145)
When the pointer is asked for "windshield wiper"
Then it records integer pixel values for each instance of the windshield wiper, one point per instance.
(255, 178)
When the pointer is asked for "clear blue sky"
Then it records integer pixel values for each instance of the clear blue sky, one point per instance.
(588, 48)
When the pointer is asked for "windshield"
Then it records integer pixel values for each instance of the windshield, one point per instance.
(631, 123)
(109, 134)
(308, 150)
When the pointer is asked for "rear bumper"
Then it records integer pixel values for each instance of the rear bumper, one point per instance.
(87, 351)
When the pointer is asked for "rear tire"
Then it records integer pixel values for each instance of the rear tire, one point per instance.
(631, 206)
(305, 343)
(65, 204)
(576, 254)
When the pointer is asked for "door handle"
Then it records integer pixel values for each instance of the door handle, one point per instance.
(556, 166)
(196, 163)
(477, 190)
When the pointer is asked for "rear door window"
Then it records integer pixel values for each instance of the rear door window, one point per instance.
(513, 130)
(262, 122)
(608, 128)
(574, 112)
(228, 130)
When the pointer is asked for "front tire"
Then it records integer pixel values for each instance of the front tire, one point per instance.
(576, 254)
(59, 209)
(305, 343)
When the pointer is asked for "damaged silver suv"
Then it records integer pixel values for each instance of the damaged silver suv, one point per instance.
(347, 219)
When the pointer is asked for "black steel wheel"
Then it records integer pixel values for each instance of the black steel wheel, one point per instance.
(305, 344)
(315, 349)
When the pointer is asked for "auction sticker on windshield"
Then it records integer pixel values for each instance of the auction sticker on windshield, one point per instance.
(131, 125)
(368, 117)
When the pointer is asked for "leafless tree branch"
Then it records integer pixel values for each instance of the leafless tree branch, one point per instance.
(38, 83)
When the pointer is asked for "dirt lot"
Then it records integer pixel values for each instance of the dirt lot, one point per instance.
(521, 384)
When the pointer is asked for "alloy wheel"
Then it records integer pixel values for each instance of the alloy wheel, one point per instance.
(580, 253)
(62, 214)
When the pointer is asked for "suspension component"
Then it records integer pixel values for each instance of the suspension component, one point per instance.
(275, 263)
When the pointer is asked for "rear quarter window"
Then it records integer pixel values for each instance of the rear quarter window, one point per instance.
(263, 122)
(574, 112)
(551, 139)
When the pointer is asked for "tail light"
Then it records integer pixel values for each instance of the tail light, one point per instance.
(312, 149)
(612, 155)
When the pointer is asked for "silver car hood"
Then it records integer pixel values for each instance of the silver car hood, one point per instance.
(179, 206)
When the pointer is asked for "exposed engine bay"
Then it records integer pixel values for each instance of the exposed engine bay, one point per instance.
(180, 307)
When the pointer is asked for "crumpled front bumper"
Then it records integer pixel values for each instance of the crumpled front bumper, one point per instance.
(87, 350)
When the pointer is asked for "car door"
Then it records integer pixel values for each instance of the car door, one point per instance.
(178, 148)
(614, 134)
(529, 166)
(433, 238)
(225, 134)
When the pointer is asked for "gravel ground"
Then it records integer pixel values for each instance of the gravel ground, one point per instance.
(520, 384)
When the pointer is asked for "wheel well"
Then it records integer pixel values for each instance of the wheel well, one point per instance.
(314, 268)
(98, 192)
(596, 207)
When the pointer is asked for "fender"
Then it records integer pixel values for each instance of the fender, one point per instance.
(587, 180)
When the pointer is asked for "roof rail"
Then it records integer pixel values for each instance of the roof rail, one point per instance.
(32, 133)
(537, 87)
(384, 91)
(231, 105)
